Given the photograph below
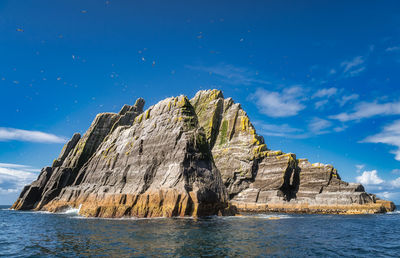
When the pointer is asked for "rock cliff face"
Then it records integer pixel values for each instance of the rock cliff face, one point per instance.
(185, 157)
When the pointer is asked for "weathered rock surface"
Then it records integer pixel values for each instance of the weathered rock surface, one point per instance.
(151, 164)
(258, 179)
(187, 158)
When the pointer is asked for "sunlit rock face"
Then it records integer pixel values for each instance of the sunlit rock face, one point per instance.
(184, 157)
(259, 179)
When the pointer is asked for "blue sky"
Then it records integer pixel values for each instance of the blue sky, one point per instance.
(317, 78)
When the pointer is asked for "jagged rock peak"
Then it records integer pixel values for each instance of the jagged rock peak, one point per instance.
(184, 157)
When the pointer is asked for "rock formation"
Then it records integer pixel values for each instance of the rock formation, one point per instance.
(185, 157)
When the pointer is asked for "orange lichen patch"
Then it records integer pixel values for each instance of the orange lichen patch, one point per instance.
(369, 208)
(388, 205)
(162, 203)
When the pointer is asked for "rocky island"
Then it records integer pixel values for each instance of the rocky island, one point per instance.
(187, 157)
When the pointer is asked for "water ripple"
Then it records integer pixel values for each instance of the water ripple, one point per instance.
(41, 234)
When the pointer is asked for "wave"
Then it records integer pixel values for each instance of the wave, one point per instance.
(262, 216)
(393, 212)
(131, 218)
(71, 211)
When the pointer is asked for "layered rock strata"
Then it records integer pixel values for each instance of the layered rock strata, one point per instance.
(259, 180)
(185, 157)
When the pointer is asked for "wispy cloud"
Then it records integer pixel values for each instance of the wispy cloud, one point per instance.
(325, 93)
(388, 195)
(390, 135)
(393, 49)
(279, 130)
(13, 177)
(369, 109)
(9, 134)
(321, 104)
(279, 104)
(316, 126)
(354, 66)
(396, 171)
(319, 126)
(346, 98)
(360, 167)
(231, 74)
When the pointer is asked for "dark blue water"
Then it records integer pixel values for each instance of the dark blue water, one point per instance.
(39, 234)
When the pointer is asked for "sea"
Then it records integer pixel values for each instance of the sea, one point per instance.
(41, 234)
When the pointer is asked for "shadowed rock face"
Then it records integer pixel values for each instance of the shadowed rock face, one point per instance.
(186, 158)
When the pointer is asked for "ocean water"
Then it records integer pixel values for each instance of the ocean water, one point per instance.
(39, 234)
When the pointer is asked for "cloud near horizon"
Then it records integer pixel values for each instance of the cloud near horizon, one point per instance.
(10, 134)
(13, 177)
(372, 182)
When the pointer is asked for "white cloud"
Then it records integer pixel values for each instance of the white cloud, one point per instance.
(393, 49)
(13, 177)
(7, 134)
(369, 109)
(279, 104)
(388, 195)
(283, 130)
(360, 167)
(370, 178)
(344, 99)
(396, 183)
(231, 74)
(383, 189)
(321, 104)
(353, 67)
(396, 171)
(390, 135)
(325, 93)
(340, 128)
(9, 165)
(319, 126)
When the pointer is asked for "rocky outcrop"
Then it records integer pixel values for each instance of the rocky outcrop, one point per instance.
(135, 163)
(260, 180)
(185, 157)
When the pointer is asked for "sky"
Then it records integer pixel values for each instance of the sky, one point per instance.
(317, 78)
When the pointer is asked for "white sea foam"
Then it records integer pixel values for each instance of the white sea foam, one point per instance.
(262, 216)
(34, 212)
(72, 210)
(272, 216)
(394, 212)
(123, 218)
